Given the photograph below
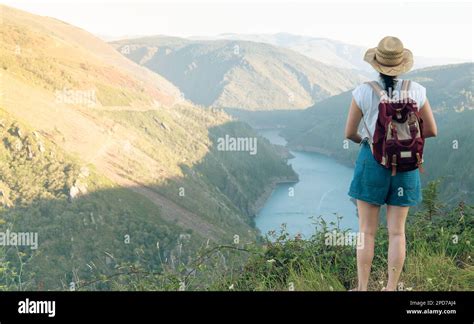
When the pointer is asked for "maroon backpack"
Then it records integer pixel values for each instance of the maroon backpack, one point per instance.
(398, 140)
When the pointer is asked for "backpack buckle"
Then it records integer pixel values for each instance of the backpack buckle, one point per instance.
(394, 165)
(419, 162)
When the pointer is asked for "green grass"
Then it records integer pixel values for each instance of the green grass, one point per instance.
(435, 261)
(439, 258)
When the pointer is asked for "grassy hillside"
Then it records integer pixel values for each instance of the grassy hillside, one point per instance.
(77, 237)
(238, 74)
(101, 148)
(449, 89)
(439, 258)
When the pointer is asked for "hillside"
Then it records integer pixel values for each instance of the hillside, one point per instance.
(96, 148)
(238, 74)
(449, 89)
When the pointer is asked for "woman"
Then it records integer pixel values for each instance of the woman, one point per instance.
(373, 185)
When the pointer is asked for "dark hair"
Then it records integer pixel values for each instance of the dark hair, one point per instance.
(389, 83)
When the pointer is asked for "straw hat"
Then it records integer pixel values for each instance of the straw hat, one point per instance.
(390, 57)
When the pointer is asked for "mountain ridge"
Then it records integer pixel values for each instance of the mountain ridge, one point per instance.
(331, 51)
(227, 74)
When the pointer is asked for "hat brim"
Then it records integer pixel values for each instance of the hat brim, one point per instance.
(403, 67)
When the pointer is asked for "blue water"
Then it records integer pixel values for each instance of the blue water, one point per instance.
(321, 190)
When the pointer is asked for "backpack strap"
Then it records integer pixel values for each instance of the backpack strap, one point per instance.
(381, 93)
(404, 89)
(370, 139)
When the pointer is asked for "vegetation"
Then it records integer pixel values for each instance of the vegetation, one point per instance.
(220, 186)
(439, 257)
(78, 236)
(88, 226)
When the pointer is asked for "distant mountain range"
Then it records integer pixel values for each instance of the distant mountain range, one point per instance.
(329, 51)
(239, 74)
(256, 71)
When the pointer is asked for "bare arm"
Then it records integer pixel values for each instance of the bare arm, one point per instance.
(352, 124)
(429, 123)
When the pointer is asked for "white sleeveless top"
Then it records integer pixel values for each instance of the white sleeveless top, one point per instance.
(368, 101)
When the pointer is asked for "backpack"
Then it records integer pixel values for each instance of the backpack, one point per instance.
(398, 141)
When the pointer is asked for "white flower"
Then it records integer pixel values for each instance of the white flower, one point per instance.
(271, 261)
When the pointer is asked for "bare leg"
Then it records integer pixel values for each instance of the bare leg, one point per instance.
(368, 222)
(396, 217)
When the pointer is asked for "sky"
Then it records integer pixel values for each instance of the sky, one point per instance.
(431, 29)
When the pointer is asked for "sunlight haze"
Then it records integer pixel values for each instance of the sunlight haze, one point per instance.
(431, 29)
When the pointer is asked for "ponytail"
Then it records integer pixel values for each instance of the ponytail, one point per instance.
(389, 83)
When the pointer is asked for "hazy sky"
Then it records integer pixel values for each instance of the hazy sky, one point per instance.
(433, 29)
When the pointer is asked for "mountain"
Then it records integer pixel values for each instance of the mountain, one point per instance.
(450, 91)
(329, 51)
(106, 162)
(239, 74)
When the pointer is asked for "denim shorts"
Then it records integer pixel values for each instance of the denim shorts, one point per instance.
(374, 184)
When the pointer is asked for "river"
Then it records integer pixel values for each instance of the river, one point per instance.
(321, 191)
